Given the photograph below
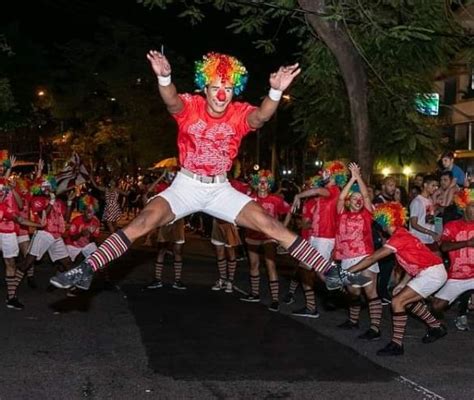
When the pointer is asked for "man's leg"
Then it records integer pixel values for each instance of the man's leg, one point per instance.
(254, 262)
(157, 213)
(178, 266)
(253, 216)
(270, 255)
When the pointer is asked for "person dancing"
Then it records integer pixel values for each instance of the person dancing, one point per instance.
(210, 129)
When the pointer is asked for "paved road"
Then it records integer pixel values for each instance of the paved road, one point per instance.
(199, 344)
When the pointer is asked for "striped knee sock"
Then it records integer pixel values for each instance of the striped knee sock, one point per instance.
(11, 288)
(178, 268)
(310, 299)
(231, 267)
(421, 310)
(158, 270)
(222, 266)
(293, 286)
(399, 321)
(306, 254)
(112, 248)
(255, 285)
(375, 313)
(274, 290)
(354, 311)
(31, 272)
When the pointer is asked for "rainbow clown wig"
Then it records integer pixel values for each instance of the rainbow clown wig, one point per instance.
(227, 68)
(87, 202)
(263, 173)
(390, 215)
(40, 184)
(463, 198)
(338, 171)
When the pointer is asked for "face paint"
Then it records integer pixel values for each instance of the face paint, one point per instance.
(358, 202)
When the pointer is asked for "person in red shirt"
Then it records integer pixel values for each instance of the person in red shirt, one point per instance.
(10, 219)
(275, 206)
(458, 241)
(84, 229)
(210, 129)
(424, 275)
(353, 244)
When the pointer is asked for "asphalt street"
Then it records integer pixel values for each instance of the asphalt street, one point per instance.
(131, 343)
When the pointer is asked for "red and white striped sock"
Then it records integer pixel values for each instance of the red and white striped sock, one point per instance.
(231, 267)
(399, 321)
(421, 311)
(112, 248)
(306, 254)
(222, 267)
(375, 312)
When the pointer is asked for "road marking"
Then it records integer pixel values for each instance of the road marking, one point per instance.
(427, 394)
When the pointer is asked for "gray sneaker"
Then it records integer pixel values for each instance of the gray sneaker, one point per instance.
(354, 279)
(80, 277)
(333, 278)
(461, 323)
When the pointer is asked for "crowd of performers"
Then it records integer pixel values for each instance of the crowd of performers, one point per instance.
(336, 212)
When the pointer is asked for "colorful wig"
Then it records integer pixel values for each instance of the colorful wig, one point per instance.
(463, 198)
(263, 173)
(227, 68)
(338, 170)
(316, 181)
(390, 215)
(88, 201)
(37, 188)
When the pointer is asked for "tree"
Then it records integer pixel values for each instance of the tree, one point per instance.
(364, 64)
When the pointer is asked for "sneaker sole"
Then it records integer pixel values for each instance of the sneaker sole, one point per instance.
(273, 310)
(14, 308)
(59, 284)
(250, 301)
(306, 315)
(361, 286)
(179, 288)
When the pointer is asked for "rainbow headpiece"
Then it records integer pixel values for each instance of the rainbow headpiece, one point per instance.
(316, 181)
(337, 170)
(40, 184)
(88, 202)
(227, 68)
(263, 173)
(463, 198)
(390, 215)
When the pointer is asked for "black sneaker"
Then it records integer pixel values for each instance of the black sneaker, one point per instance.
(433, 334)
(81, 277)
(30, 280)
(250, 298)
(289, 298)
(275, 306)
(156, 284)
(304, 312)
(391, 349)
(370, 335)
(179, 285)
(348, 325)
(15, 304)
(333, 279)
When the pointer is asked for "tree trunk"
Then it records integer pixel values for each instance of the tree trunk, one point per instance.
(355, 78)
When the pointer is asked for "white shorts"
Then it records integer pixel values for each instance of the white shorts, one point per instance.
(43, 242)
(23, 238)
(187, 196)
(325, 246)
(349, 262)
(429, 280)
(454, 288)
(86, 251)
(9, 245)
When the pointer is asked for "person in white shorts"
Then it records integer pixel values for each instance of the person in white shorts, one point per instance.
(210, 129)
(83, 230)
(424, 275)
(354, 242)
(458, 241)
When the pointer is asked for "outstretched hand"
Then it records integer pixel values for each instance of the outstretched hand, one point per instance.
(159, 63)
(355, 169)
(281, 79)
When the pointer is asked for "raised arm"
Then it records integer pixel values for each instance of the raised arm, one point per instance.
(345, 191)
(279, 81)
(355, 171)
(322, 192)
(162, 69)
(11, 164)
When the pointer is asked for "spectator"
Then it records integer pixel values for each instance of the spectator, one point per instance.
(447, 160)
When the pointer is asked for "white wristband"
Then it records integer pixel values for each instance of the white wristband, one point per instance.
(275, 94)
(164, 80)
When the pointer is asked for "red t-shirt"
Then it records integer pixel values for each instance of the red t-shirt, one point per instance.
(307, 211)
(274, 205)
(10, 210)
(325, 213)
(208, 145)
(462, 260)
(25, 213)
(412, 255)
(77, 226)
(354, 234)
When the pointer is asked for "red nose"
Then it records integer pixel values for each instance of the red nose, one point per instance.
(220, 95)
